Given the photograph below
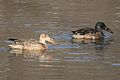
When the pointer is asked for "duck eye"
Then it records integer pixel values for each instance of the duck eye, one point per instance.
(46, 35)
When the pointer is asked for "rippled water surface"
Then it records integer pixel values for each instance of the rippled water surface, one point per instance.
(68, 60)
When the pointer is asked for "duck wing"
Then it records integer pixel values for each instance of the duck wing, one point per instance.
(84, 31)
(19, 41)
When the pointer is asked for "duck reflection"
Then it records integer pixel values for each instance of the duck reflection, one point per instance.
(89, 41)
(98, 45)
(42, 55)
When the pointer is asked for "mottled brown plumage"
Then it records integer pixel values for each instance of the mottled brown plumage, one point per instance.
(91, 33)
(32, 44)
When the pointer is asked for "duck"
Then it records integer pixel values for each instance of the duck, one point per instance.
(92, 33)
(31, 44)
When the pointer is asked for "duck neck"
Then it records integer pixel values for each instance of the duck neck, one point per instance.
(99, 29)
(43, 43)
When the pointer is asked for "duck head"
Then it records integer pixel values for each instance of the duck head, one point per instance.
(101, 26)
(44, 37)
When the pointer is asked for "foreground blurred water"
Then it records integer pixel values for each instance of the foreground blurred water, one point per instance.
(67, 61)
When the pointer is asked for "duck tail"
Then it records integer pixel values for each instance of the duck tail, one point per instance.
(14, 40)
(73, 32)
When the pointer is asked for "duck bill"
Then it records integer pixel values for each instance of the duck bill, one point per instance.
(51, 41)
(108, 30)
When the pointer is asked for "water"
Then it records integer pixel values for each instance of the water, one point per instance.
(67, 61)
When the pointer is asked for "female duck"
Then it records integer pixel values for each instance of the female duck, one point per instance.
(32, 44)
(90, 33)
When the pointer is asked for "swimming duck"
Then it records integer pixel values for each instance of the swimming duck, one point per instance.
(91, 33)
(31, 44)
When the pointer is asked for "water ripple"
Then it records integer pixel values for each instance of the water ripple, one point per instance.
(116, 64)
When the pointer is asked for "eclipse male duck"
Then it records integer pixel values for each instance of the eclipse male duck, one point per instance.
(90, 33)
(32, 44)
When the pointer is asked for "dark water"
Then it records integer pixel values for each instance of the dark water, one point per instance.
(67, 61)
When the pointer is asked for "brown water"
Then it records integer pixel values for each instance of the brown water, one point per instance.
(67, 61)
